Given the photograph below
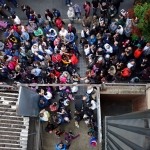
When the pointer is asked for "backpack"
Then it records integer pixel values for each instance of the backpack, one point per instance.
(3, 24)
(137, 53)
(126, 72)
(56, 58)
(59, 23)
(11, 66)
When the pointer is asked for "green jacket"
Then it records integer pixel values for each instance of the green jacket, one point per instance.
(38, 32)
(112, 12)
(121, 22)
(91, 130)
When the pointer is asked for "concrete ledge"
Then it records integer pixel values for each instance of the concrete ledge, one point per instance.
(75, 21)
(112, 89)
(148, 95)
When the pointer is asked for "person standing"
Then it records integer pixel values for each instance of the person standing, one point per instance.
(77, 10)
(95, 5)
(71, 14)
(59, 23)
(87, 7)
(68, 3)
(69, 136)
(49, 16)
(56, 13)
(10, 10)
(116, 4)
(103, 7)
(2, 13)
(2, 2)
(112, 11)
(61, 146)
(14, 2)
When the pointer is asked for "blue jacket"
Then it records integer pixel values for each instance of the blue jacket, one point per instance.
(56, 13)
(16, 35)
(93, 140)
(8, 52)
(70, 37)
(47, 28)
(77, 9)
(25, 37)
(57, 148)
(92, 41)
(46, 102)
(11, 11)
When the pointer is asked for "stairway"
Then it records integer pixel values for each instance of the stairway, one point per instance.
(13, 129)
(128, 132)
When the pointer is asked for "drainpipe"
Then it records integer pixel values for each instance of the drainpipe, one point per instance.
(99, 117)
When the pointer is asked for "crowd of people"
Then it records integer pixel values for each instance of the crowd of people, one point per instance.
(107, 42)
(57, 112)
(45, 51)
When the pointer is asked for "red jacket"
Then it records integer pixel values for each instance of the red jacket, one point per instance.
(56, 58)
(74, 59)
(58, 23)
(126, 72)
(137, 53)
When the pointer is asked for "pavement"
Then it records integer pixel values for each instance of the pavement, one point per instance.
(49, 140)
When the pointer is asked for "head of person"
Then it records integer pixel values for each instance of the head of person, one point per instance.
(89, 134)
(89, 104)
(136, 80)
(60, 145)
(107, 46)
(112, 7)
(38, 15)
(54, 9)
(36, 28)
(13, 16)
(70, 9)
(69, 25)
(47, 11)
(41, 115)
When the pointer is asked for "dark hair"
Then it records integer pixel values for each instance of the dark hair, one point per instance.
(39, 16)
(47, 10)
(89, 104)
(13, 16)
(54, 104)
(54, 9)
(36, 28)
(52, 31)
(7, 7)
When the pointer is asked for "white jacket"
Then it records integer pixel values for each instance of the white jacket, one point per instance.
(17, 21)
(120, 31)
(87, 32)
(70, 13)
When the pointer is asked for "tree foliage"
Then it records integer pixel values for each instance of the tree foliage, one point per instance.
(142, 12)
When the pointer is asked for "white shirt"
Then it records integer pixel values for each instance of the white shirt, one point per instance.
(17, 20)
(35, 48)
(145, 48)
(120, 31)
(45, 116)
(87, 32)
(48, 96)
(63, 33)
(70, 14)
(87, 50)
(94, 105)
(129, 65)
(110, 49)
